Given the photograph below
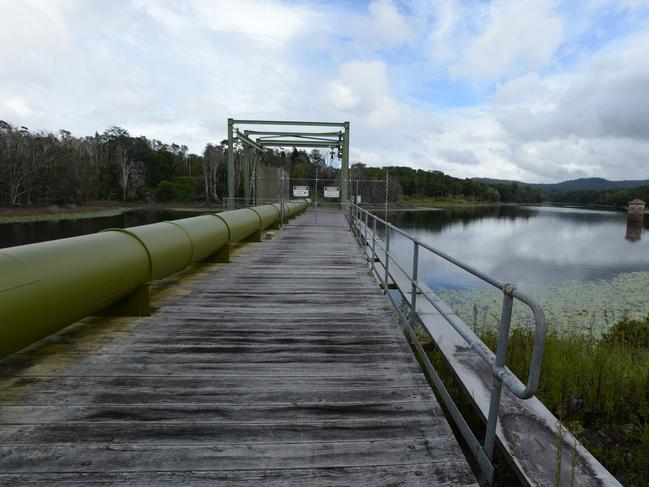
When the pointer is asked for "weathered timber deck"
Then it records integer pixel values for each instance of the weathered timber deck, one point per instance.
(284, 367)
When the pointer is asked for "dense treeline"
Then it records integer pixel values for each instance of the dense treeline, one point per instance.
(611, 197)
(43, 168)
(436, 184)
(47, 168)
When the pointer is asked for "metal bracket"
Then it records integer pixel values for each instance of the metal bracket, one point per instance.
(136, 304)
(220, 257)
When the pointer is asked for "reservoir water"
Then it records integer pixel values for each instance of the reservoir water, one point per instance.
(12, 234)
(525, 244)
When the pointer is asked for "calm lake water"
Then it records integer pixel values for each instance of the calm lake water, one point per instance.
(525, 244)
(30, 232)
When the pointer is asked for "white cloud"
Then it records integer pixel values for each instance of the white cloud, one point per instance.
(270, 22)
(592, 120)
(32, 35)
(385, 26)
(363, 90)
(516, 36)
(447, 18)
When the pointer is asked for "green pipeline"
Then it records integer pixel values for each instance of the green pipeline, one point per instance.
(46, 286)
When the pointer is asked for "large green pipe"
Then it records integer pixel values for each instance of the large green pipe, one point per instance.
(172, 246)
(268, 215)
(292, 208)
(46, 286)
(240, 223)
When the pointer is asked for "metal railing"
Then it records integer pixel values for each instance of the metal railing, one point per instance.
(360, 221)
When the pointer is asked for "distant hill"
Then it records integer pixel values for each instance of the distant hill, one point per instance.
(574, 184)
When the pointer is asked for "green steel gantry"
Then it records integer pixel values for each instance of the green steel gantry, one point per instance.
(260, 140)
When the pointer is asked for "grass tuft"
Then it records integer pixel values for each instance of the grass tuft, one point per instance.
(599, 389)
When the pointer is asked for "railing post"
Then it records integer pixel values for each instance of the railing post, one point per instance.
(365, 238)
(281, 198)
(498, 367)
(351, 211)
(387, 257)
(413, 298)
(357, 224)
(373, 243)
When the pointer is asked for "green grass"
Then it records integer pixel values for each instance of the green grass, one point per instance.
(55, 216)
(197, 209)
(599, 389)
(584, 380)
(427, 201)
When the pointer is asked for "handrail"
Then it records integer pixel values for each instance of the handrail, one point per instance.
(501, 374)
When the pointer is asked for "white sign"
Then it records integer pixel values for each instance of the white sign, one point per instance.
(301, 191)
(332, 192)
(358, 199)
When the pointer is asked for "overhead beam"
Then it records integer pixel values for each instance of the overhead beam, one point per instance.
(293, 143)
(293, 134)
(290, 122)
(306, 139)
(247, 140)
(298, 139)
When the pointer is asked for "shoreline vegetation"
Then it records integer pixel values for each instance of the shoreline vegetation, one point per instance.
(598, 389)
(93, 210)
(586, 308)
(595, 375)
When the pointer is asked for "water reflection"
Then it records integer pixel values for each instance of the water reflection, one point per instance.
(12, 234)
(633, 229)
(523, 244)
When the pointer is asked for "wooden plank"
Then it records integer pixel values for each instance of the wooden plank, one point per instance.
(209, 433)
(197, 384)
(236, 369)
(262, 413)
(233, 456)
(413, 475)
(135, 394)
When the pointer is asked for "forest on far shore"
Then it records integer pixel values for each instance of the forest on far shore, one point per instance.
(43, 168)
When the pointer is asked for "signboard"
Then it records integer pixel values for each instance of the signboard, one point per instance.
(301, 191)
(358, 199)
(331, 192)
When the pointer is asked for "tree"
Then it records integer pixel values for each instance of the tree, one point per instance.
(130, 171)
(17, 162)
(213, 155)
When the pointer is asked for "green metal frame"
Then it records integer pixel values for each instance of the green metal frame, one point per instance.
(290, 138)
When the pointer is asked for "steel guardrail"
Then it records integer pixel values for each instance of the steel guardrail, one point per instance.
(359, 220)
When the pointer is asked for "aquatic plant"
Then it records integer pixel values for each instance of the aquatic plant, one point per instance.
(586, 308)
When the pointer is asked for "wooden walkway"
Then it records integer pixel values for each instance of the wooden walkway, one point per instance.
(284, 367)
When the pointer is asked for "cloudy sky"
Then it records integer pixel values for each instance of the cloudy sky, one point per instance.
(534, 90)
